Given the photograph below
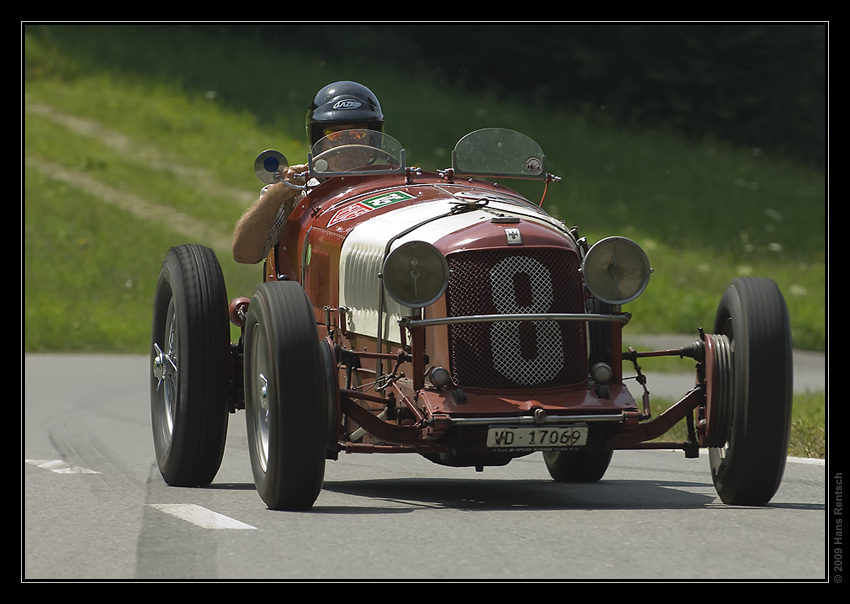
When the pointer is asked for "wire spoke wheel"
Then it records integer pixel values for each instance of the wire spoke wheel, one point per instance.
(286, 396)
(190, 367)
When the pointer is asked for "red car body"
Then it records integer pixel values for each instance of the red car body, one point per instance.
(456, 319)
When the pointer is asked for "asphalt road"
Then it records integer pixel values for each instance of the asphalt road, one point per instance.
(95, 508)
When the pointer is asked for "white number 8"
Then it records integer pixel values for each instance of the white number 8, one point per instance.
(507, 357)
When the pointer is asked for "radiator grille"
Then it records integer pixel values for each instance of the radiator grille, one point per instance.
(515, 354)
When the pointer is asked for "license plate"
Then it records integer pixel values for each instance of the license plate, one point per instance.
(536, 438)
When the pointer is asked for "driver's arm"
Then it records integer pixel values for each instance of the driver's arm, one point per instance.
(258, 230)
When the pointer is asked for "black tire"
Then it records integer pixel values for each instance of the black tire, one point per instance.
(577, 466)
(285, 397)
(332, 402)
(590, 465)
(748, 469)
(190, 362)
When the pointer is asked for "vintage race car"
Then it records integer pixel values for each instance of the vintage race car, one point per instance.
(446, 315)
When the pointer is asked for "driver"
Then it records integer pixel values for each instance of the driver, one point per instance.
(336, 109)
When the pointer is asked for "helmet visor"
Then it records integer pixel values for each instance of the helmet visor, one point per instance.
(347, 135)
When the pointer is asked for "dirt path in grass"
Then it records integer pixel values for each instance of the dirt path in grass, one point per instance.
(143, 154)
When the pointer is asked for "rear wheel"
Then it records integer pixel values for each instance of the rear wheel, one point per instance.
(190, 367)
(577, 466)
(589, 465)
(285, 396)
(749, 461)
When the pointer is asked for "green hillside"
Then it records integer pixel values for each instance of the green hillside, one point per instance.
(137, 138)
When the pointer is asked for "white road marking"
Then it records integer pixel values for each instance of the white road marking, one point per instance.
(201, 516)
(809, 460)
(59, 466)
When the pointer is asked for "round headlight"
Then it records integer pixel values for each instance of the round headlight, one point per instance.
(415, 274)
(616, 270)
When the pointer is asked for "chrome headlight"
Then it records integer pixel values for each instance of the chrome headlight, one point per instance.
(415, 274)
(616, 270)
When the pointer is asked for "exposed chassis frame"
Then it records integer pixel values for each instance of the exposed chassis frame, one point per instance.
(638, 430)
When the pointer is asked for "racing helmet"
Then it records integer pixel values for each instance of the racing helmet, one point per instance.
(343, 102)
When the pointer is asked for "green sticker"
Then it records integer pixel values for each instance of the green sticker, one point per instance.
(387, 199)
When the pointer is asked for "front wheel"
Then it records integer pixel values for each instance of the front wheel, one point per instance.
(285, 396)
(190, 367)
(749, 461)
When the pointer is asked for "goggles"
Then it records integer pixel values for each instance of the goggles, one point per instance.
(350, 135)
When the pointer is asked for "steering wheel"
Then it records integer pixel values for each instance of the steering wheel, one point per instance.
(375, 152)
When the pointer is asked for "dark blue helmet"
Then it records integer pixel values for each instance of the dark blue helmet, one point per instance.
(343, 103)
